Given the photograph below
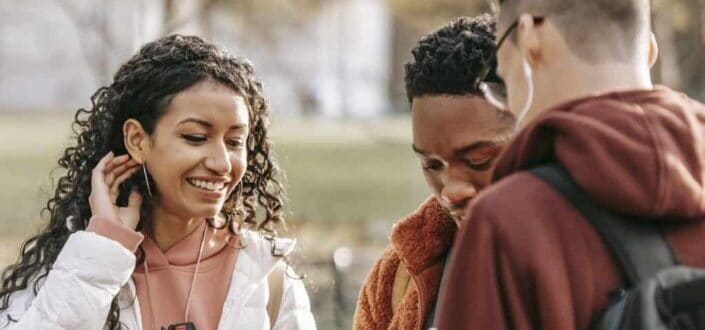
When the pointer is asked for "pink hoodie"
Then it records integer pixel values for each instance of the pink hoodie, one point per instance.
(171, 272)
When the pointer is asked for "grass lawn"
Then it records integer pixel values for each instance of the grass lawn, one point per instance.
(339, 173)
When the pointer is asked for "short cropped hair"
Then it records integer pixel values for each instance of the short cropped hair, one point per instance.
(593, 29)
(448, 60)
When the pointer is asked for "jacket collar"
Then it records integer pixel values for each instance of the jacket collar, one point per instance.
(423, 238)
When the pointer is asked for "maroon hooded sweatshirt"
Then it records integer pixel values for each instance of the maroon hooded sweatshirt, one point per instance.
(526, 259)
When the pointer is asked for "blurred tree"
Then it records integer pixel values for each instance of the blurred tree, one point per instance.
(270, 23)
(413, 19)
(267, 14)
(679, 26)
(423, 15)
(178, 13)
(97, 43)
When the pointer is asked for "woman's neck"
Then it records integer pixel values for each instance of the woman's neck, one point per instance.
(166, 229)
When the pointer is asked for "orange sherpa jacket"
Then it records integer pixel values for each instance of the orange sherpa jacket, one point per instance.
(410, 269)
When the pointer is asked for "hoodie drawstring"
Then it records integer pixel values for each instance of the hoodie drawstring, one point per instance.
(193, 281)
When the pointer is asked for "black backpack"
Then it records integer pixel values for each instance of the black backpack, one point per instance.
(659, 293)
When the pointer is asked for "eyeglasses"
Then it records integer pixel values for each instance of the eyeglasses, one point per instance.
(496, 93)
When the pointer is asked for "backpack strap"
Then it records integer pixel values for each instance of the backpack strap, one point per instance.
(275, 280)
(639, 247)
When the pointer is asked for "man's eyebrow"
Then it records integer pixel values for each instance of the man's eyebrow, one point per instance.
(208, 124)
(474, 146)
(418, 150)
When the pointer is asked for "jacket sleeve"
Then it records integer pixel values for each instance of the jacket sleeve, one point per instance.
(76, 294)
(295, 310)
(364, 317)
(483, 288)
(373, 310)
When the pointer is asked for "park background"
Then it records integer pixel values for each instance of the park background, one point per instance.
(333, 72)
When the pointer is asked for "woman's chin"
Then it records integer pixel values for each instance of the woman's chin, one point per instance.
(206, 211)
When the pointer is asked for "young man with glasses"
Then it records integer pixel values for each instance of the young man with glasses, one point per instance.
(577, 77)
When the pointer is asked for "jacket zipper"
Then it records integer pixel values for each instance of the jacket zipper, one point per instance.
(421, 288)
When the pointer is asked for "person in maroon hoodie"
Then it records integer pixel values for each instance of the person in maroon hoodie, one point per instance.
(577, 72)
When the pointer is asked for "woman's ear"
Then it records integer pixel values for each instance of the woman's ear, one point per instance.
(136, 140)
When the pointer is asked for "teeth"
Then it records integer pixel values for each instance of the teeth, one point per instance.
(207, 185)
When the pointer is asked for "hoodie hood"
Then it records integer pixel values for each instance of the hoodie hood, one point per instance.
(637, 153)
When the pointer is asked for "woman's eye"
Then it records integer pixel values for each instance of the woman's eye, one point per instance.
(194, 138)
(235, 143)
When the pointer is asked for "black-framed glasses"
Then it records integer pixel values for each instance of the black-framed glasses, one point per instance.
(496, 93)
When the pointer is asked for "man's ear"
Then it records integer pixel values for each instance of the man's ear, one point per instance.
(653, 50)
(528, 39)
(136, 140)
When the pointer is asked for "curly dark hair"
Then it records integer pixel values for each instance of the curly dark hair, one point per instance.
(141, 89)
(448, 60)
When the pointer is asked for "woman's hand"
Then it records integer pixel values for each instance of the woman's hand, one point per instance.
(106, 178)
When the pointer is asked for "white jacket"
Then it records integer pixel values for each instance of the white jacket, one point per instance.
(92, 269)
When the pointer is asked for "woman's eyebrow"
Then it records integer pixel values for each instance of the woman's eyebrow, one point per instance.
(207, 124)
(197, 121)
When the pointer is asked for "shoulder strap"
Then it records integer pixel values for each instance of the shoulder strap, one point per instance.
(639, 247)
(275, 280)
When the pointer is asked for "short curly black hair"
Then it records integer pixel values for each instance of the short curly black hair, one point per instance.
(448, 60)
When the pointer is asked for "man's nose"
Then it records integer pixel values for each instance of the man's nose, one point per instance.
(458, 194)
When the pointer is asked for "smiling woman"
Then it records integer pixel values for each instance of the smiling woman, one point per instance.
(155, 223)
(198, 145)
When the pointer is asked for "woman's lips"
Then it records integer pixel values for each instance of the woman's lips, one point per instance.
(210, 194)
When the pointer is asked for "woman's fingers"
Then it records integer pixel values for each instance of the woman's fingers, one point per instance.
(97, 177)
(130, 215)
(106, 178)
(99, 199)
(115, 185)
(115, 161)
(119, 170)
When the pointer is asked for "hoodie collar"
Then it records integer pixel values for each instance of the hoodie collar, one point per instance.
(185, 251)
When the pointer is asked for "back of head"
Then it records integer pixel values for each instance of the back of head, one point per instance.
(594, 30)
